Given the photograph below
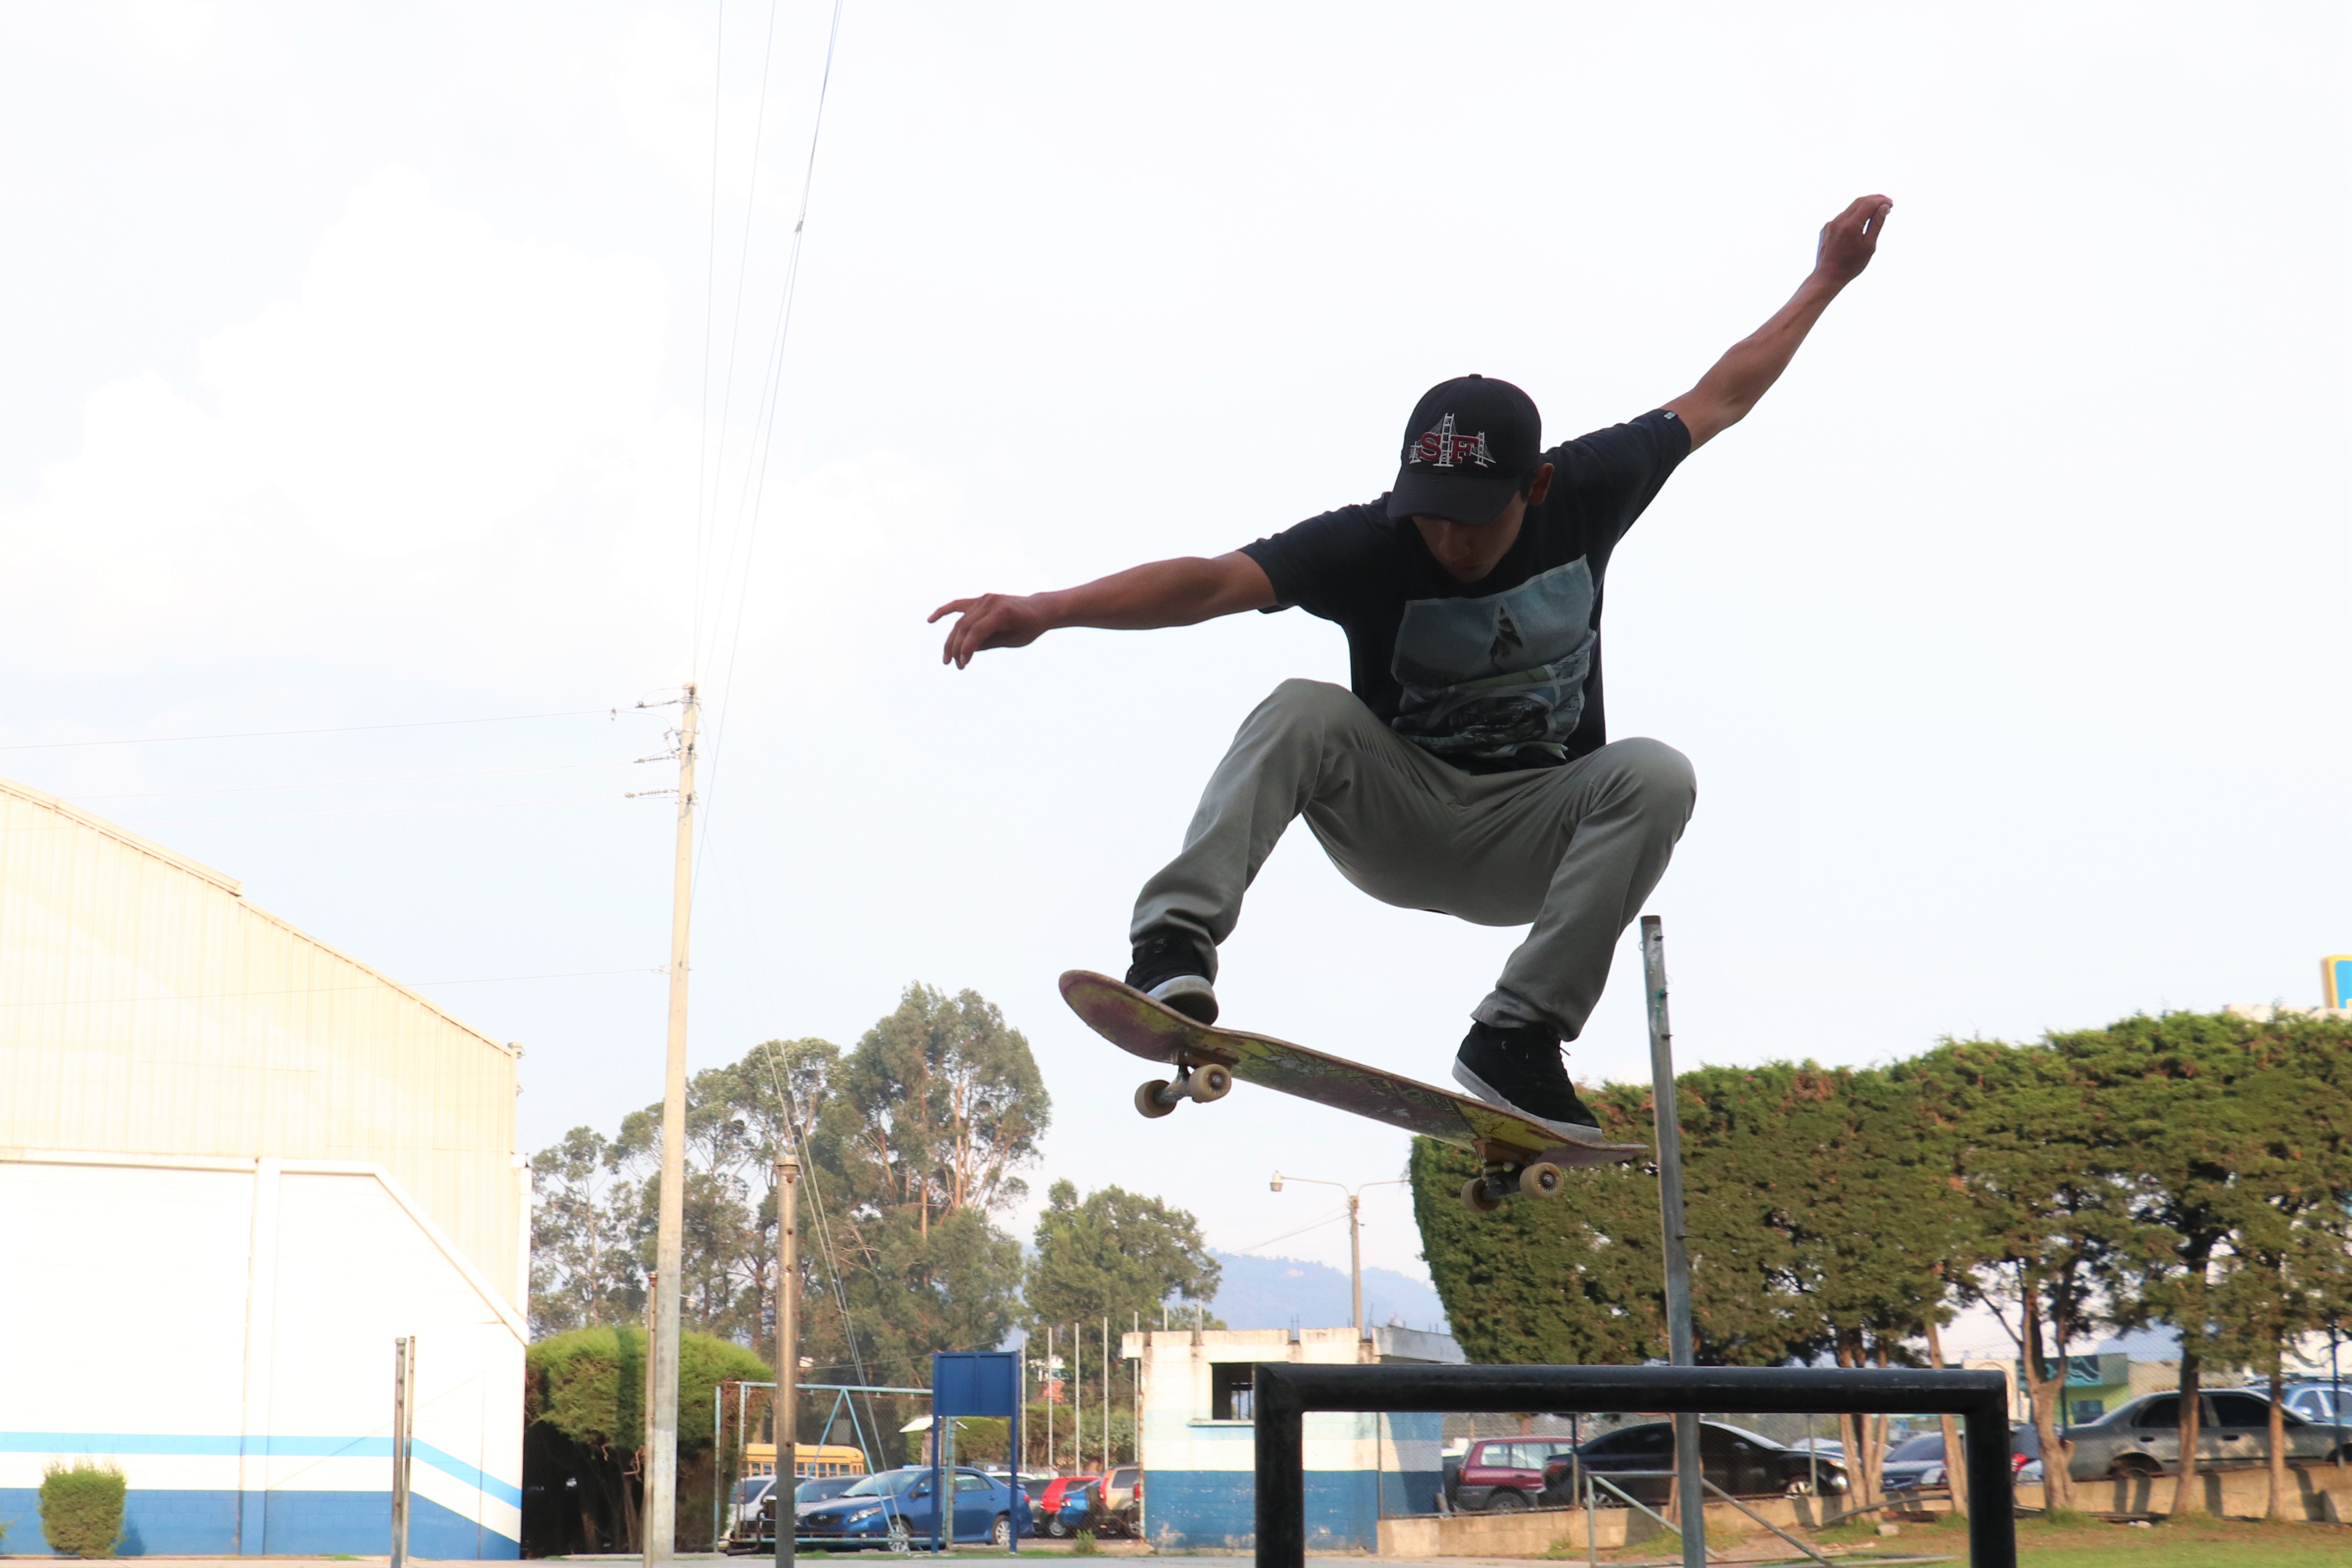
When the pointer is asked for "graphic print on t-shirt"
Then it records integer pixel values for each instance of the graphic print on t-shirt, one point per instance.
(1485, 678)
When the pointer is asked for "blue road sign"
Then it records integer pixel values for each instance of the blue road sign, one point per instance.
(972, 1383)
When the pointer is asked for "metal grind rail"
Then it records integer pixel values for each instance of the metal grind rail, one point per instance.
(1284, 1392)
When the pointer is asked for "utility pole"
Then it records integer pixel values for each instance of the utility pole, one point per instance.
(788, 1351)
(404, 1435)
(661, 1458)
(1688, 1476)
(1355, 1233)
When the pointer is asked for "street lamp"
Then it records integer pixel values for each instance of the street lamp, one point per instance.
(1355, 1231)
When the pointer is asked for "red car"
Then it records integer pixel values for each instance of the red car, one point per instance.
(1502, 1473)
(1068, 1504)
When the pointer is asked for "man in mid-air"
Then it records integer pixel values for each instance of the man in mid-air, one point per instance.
(1466, 769)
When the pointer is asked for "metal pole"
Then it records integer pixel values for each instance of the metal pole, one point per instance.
(404, 1428)
(1050, 1391)
(1013, 1448)
(1688, 1472)
(788, 1351)
(2336, 1392)
(1356, 1258)
(1281, 1501)
(1105, 1383)
(661, 1454)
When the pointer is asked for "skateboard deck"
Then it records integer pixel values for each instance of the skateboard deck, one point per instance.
(1519, 1154)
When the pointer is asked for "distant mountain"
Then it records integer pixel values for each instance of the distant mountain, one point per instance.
(1268, 1292)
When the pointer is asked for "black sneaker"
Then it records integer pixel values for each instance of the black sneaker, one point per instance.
(1520, 1069)
(1169, 970)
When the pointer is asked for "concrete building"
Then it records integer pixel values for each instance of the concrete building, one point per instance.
(234, 1164)
(1199, 1443)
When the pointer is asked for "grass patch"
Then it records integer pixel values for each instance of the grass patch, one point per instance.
(2086, 1542)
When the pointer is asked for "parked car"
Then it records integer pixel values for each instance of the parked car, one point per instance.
(1918, 1462)
(758, 1531)
(1068, 1503)
(1498, 1474)
(1120, 1501)
(1743, 1463)
(2319, 1400)
(2142, 1437)
(743, 1511)
(897, 1508)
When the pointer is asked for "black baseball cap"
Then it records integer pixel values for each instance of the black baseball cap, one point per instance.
(1473, 443)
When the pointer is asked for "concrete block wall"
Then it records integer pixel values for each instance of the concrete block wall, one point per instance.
(221, 1330)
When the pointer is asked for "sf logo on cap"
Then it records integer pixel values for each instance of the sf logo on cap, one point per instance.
(1443, 448)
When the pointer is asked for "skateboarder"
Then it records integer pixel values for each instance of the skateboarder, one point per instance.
(1466, 769)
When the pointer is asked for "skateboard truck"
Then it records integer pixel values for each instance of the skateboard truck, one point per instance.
(1203, 1081)
(1503, 1174)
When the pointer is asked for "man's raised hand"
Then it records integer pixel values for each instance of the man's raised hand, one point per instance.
(991, 620)
(1850, 238)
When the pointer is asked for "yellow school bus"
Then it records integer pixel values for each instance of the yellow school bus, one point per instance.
(810, 1460)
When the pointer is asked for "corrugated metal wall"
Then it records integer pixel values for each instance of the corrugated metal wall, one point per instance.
(146, 1008)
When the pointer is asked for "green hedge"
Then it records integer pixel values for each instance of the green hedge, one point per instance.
(590, 1384)
(81, 1508)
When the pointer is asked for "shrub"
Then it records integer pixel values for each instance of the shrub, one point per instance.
(1084, 1545)
(81, 1508)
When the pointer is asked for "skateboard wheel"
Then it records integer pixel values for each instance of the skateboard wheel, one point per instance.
(1478, 1198)
(1212, 1082)
(1541, 1179)
(1147, 1098)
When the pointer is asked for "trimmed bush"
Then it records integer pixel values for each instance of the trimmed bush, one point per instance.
(81, 1508)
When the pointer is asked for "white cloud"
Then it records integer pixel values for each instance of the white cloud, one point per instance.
(443, 454)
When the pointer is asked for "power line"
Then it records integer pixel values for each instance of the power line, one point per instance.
(772, 397)
(703, 529)
(334, 729)
(1312, 1225)
(709, 301)
(344, 783)
(353, 811)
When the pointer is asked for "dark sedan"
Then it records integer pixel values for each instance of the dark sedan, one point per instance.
(1743, 1463)
(1917, 1464)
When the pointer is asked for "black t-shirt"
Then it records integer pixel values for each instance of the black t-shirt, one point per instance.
(1496, 675)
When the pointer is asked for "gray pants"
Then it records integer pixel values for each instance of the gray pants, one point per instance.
(1574, 849)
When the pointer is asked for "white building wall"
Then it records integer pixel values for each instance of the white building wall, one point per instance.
(222, 1330)
(146, 1008)
(234, 1164)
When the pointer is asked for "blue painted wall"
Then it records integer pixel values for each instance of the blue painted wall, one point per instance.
(1216, 1509)
(293, 1523)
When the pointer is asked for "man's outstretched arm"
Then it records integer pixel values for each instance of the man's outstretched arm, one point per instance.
(1726, 394)
(1181, 593)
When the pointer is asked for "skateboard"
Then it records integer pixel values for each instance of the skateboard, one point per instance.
(1519, 1154)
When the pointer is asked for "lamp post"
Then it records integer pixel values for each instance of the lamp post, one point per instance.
(1355, 1232)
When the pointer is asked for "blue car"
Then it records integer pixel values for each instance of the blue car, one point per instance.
(896, 1509)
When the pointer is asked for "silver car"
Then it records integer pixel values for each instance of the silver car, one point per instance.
(2142, 1437)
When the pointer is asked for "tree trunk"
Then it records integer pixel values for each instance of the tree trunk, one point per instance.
(2188, 1497)
(2042, 1397)
(1851, 1432)
(1878, 1438)
(2277, 1509)
(1956, 1463)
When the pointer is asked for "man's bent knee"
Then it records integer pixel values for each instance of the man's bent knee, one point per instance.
(1316, 704)
(1660, 776)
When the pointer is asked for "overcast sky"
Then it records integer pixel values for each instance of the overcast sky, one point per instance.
(371, 365)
